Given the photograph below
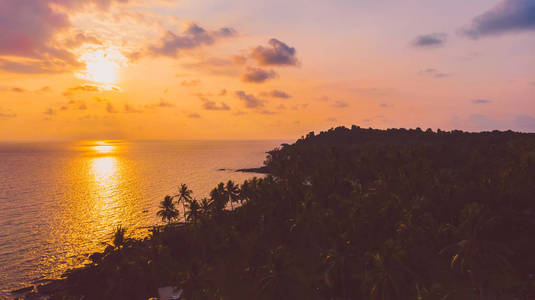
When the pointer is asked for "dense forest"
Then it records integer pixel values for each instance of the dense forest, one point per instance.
(344, 214)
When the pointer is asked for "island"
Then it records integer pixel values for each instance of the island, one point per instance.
(349, 213)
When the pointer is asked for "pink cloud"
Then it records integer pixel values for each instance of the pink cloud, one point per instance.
(27, 26)
(193, 36)
(28, 29)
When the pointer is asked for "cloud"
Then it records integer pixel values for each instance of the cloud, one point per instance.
(431, 40)
(433, 73)
(110, 108)
(190, 83)
(18, 89)
(211, 105)
(506, 17)
(481, 101)
(223, 92)
(194, 36)
(258, 75)
(164, 103)
(383, 105)
(101, 99)
(78, 105)
(50, 112)
(331, 119)
(82, 88)
(7, 115)
(28, 30)
(26, 27)
(277, 94)
(80, 4)
(194, 116)
(250, 100)
(45, 89)
(131, 109)
(81, 39)
(37, 67)
(340, 104)
(276, 54)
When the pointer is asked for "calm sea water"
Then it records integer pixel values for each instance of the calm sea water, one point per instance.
(60, 202)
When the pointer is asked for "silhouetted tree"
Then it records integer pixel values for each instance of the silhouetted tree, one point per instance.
(184, 194)
(219, 198)
(232, 190)
(167, 211)
(193, 212)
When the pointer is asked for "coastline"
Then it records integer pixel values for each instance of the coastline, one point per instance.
(50, 286)
(258, 170)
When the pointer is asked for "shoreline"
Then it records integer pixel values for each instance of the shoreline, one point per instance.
(34, 290)
(258, 170)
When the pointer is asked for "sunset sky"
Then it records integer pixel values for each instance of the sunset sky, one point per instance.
(244, 69)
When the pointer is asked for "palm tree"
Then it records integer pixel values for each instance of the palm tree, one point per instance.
(205, 205)
(232, 190)
(193, 210)
(184, 194)
(167, 209)
(245, 192)
(219, 198)
(119, 236)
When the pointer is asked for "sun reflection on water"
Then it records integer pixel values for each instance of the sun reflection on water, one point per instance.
(106, 179)
(103, 171)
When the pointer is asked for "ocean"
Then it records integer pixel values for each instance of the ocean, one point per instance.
(60, 202)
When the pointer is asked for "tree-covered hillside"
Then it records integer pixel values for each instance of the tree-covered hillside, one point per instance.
(345, 214)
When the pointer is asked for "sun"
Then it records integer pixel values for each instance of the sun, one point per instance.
(102, 65)
(103, 147)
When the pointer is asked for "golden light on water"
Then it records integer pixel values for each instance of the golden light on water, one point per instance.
(107, 178)
(103, 170)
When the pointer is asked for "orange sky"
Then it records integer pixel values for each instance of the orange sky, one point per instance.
(236, 69)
